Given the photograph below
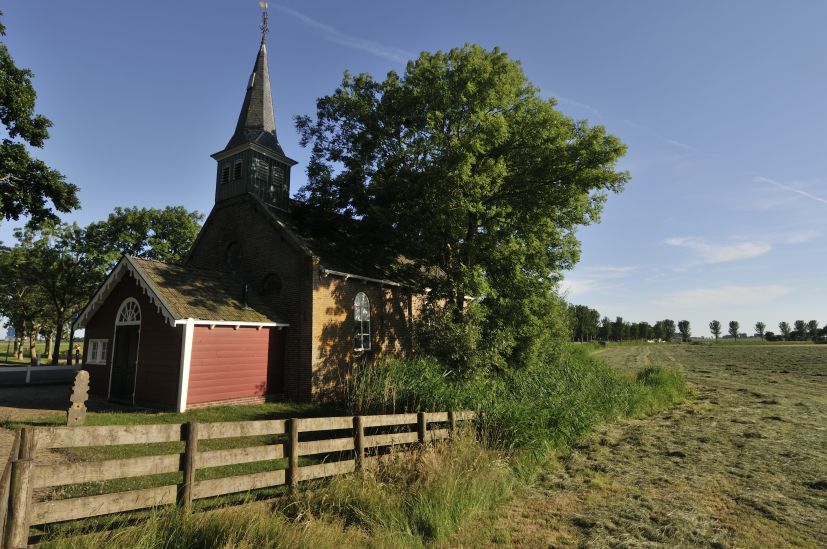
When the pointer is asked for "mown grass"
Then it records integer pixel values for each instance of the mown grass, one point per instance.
(421, 497)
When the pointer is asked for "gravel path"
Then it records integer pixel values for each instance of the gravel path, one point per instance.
(742, 464)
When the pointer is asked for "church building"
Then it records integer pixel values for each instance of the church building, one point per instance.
(257, 310)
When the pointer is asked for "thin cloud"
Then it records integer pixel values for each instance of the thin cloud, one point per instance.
(570, 288)
(668, 141)
(678, 144)
(787, 188)
(799, 237)
(714, 253)
(583, 106)
(609, 271)
(595, 280)
(725, 295)
(338, 37)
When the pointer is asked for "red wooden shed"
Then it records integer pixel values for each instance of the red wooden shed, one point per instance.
(171, 336)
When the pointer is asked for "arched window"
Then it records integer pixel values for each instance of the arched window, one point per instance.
(129, 313)
(361, 312)
(271, 285)
(232, 257)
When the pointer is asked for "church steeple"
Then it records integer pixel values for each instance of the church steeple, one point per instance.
(253, 160)
(256, 122)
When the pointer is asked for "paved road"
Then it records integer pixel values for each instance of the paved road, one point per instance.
(13, 376)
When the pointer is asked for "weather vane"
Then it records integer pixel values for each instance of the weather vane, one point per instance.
(265, 21)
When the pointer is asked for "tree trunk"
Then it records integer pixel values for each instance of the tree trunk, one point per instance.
(18, 344)
(58, 337)
(33, 346)
(48, 348)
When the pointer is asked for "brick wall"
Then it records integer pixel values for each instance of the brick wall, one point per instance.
(334, 328)
(266, 249)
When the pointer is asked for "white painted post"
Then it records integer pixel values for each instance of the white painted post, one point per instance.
(186, 357)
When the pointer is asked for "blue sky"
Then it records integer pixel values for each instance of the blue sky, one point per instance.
(722, 105)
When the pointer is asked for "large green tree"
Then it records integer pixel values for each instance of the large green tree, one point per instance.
(62, 269)
(584, 322)
(27, 185)
(23, 302)
(760, 329)
(162, 234)
(785, 329)
(460, 166)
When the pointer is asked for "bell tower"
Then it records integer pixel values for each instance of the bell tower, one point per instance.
(253, 161)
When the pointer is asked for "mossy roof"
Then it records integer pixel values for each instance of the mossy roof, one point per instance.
(203, 294)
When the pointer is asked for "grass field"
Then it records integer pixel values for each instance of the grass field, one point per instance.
(7, 355)
(742, 464)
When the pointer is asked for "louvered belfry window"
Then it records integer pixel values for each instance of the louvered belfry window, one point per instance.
(361, 312)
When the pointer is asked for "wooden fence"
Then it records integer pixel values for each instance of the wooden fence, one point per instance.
(332, 445)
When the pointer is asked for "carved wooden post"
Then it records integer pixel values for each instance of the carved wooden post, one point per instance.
(80, 393)
(293, 456)
(17, 527)
(421, 426)
(359, 441)
(189, 463)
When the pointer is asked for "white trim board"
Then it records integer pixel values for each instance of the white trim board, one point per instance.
(239, 323)
(186, 359)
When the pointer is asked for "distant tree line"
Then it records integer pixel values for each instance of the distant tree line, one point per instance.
(586, 324)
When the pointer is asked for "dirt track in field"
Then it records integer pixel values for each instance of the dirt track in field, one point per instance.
(743, 463)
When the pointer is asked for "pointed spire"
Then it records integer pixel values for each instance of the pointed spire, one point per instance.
(257, 123)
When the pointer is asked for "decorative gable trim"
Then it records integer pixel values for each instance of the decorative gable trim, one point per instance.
(126, 266)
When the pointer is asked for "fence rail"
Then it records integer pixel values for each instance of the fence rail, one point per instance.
(330, 446)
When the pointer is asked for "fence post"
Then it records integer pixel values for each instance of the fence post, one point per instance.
(17, 527)
(5, 485)
(452, 424)
(359, 441)
(189, 462)
(293, 456)
(421, 426)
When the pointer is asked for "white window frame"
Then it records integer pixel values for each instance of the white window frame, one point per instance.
(97, 351)
(129, 313)
(361, 308)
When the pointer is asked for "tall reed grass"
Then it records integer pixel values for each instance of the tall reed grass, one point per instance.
(550, 403)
